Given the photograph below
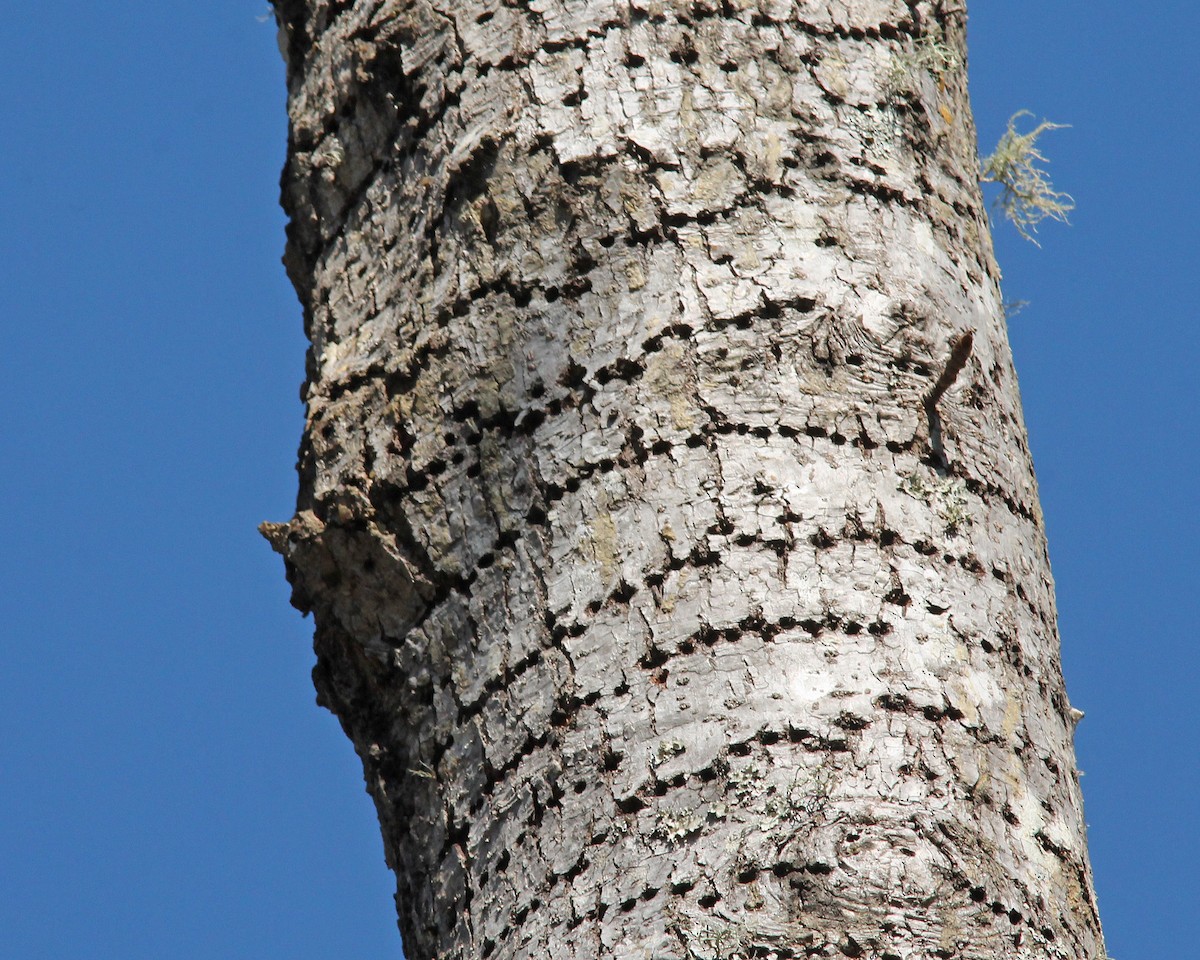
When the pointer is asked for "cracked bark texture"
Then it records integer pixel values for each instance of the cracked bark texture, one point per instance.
(665, 622)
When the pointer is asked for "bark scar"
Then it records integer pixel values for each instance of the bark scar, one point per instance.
(960, 352)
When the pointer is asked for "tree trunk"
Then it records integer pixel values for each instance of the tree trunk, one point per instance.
(665, 510)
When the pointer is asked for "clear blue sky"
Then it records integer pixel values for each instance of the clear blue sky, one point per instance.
(167, 786)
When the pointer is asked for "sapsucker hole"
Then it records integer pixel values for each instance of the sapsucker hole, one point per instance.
(612, 760)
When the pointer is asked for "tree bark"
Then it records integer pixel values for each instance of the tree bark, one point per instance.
(666, 513)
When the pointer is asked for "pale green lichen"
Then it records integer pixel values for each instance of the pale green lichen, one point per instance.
(805, 799)
(667, 749)
(1027, 196)
(929, 53)
(676, 825)
(746, 783)
(946, 495)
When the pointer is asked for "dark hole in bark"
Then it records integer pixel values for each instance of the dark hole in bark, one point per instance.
(623, 594)
(654, 658)
(612, 760)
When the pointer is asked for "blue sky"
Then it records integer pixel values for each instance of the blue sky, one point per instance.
(167, 785)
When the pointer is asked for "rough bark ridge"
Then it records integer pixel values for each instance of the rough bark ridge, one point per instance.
(677, 571)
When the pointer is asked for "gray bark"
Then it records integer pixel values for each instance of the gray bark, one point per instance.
(666, 513)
